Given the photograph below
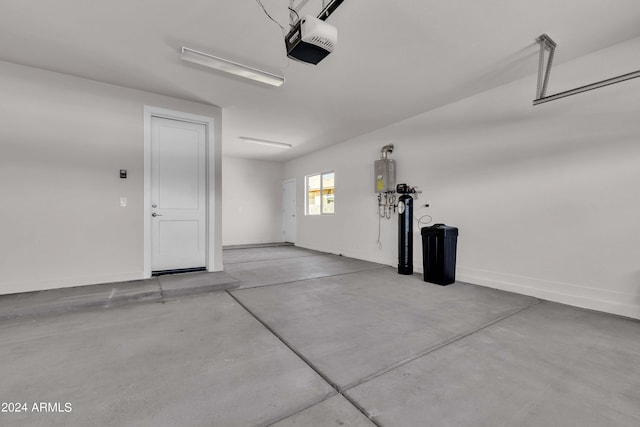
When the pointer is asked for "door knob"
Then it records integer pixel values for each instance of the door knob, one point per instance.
(155, 214)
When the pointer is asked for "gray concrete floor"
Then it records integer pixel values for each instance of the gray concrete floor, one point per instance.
(291, 337)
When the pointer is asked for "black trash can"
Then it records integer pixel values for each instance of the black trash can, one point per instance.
(439, 253)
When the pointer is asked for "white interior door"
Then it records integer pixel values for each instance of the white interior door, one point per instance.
(289, 211)
(178, 195)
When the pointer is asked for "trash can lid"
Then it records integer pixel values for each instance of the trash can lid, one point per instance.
(440, 229)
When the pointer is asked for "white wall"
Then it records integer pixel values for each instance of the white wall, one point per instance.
(252, 201)
(546, 198)
(63, 141)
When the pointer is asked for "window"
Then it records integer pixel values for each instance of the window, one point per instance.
(320, 193)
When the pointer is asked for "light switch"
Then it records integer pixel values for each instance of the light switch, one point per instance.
(123, 201)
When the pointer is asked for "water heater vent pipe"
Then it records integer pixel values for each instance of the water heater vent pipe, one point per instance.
(386, 150)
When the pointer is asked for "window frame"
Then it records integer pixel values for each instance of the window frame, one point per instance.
(306, 193)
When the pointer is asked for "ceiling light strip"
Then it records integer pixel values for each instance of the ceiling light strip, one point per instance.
(224, 65)
(266, 142)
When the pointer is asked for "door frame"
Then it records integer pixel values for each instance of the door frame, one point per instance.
(213, 184)
(295, 194)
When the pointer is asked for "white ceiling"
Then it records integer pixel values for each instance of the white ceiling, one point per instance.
(393, 60)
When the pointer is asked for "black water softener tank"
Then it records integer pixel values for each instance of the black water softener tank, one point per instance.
(439, 253)
(405, 234)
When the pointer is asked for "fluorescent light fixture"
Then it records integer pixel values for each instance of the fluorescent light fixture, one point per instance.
(230, 67)
(265, 142)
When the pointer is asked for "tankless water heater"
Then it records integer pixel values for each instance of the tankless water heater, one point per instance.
(384, 172)
(385, 175)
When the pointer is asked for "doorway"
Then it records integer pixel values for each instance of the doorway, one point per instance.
(181, 204)
(178, 195)
(289, 211)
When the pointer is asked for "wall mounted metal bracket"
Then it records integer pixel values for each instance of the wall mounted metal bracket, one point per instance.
(544, 63)
(544, 70)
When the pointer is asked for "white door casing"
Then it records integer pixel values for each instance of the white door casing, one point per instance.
(178, 194)
(289, 227)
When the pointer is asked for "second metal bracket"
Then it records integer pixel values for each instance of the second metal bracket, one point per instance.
(544, 64)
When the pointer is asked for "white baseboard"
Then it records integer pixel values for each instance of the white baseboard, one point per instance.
(66, 282)
(580, 296)
(619, 303)
(347, 253)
